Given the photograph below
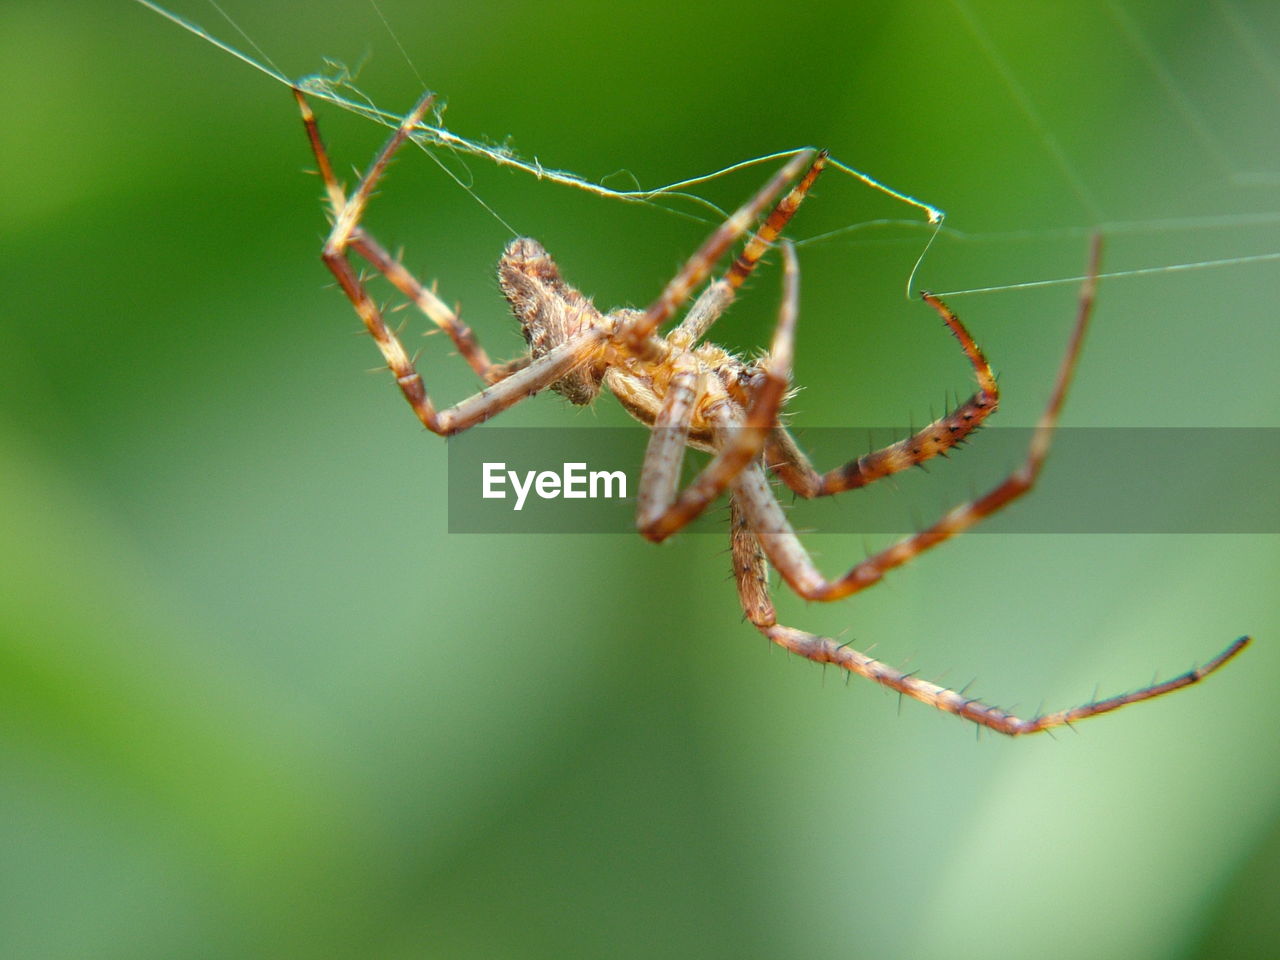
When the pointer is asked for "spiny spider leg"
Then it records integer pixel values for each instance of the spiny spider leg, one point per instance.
(364, 244)
(426, 300)
(337, 196)
(791, 559)
(519, 380)
(716, 298)
(761, 530)
(788, 461)
(656, 517)
(635, 335)
(751, 574)
(740, 438)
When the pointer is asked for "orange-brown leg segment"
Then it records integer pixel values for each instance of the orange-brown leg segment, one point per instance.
(635, 335)
(788, 461)
(761, 530)
(426, 300)
(792, 561)
(514, 382)
(716, 298)
(740, 438)
(367, 247)
(751, 573)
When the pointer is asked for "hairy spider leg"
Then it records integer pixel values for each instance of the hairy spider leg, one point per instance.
(788, 461)
(520, 380)
(659, 513)
(751, 573)
(635, 335)
(739, 437)
(761, 530)
(792, 561)
(719, 294)
(422, 296)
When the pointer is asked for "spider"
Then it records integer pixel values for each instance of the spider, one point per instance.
(694, 393)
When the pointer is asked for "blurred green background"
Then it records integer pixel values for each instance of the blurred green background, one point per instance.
(257, 703)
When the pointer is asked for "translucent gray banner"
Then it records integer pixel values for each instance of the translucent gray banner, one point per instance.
(1097, 480)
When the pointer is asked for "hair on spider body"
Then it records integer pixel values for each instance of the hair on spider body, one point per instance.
(550, 311)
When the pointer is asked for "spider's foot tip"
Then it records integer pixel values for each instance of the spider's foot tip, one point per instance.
(1226, 655)
(1237, 645)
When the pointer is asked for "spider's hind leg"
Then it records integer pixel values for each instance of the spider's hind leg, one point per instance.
(751, 573)
(347, 233)
(793, 562)
(761, 530)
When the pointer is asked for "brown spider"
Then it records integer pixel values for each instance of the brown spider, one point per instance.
(700, 395)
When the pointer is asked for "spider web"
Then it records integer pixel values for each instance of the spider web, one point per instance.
(1239, 24)
(337, 86)
(1124, 28)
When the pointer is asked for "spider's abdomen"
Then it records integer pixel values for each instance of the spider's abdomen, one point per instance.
(549, 310)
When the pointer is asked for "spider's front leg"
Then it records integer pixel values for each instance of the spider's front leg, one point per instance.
(740, 435)
(739, 438)
(716, 298)
(660, 513)
(634, 336)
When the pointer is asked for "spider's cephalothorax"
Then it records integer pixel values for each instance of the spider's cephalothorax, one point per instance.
(552, 312)
(696, 394)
